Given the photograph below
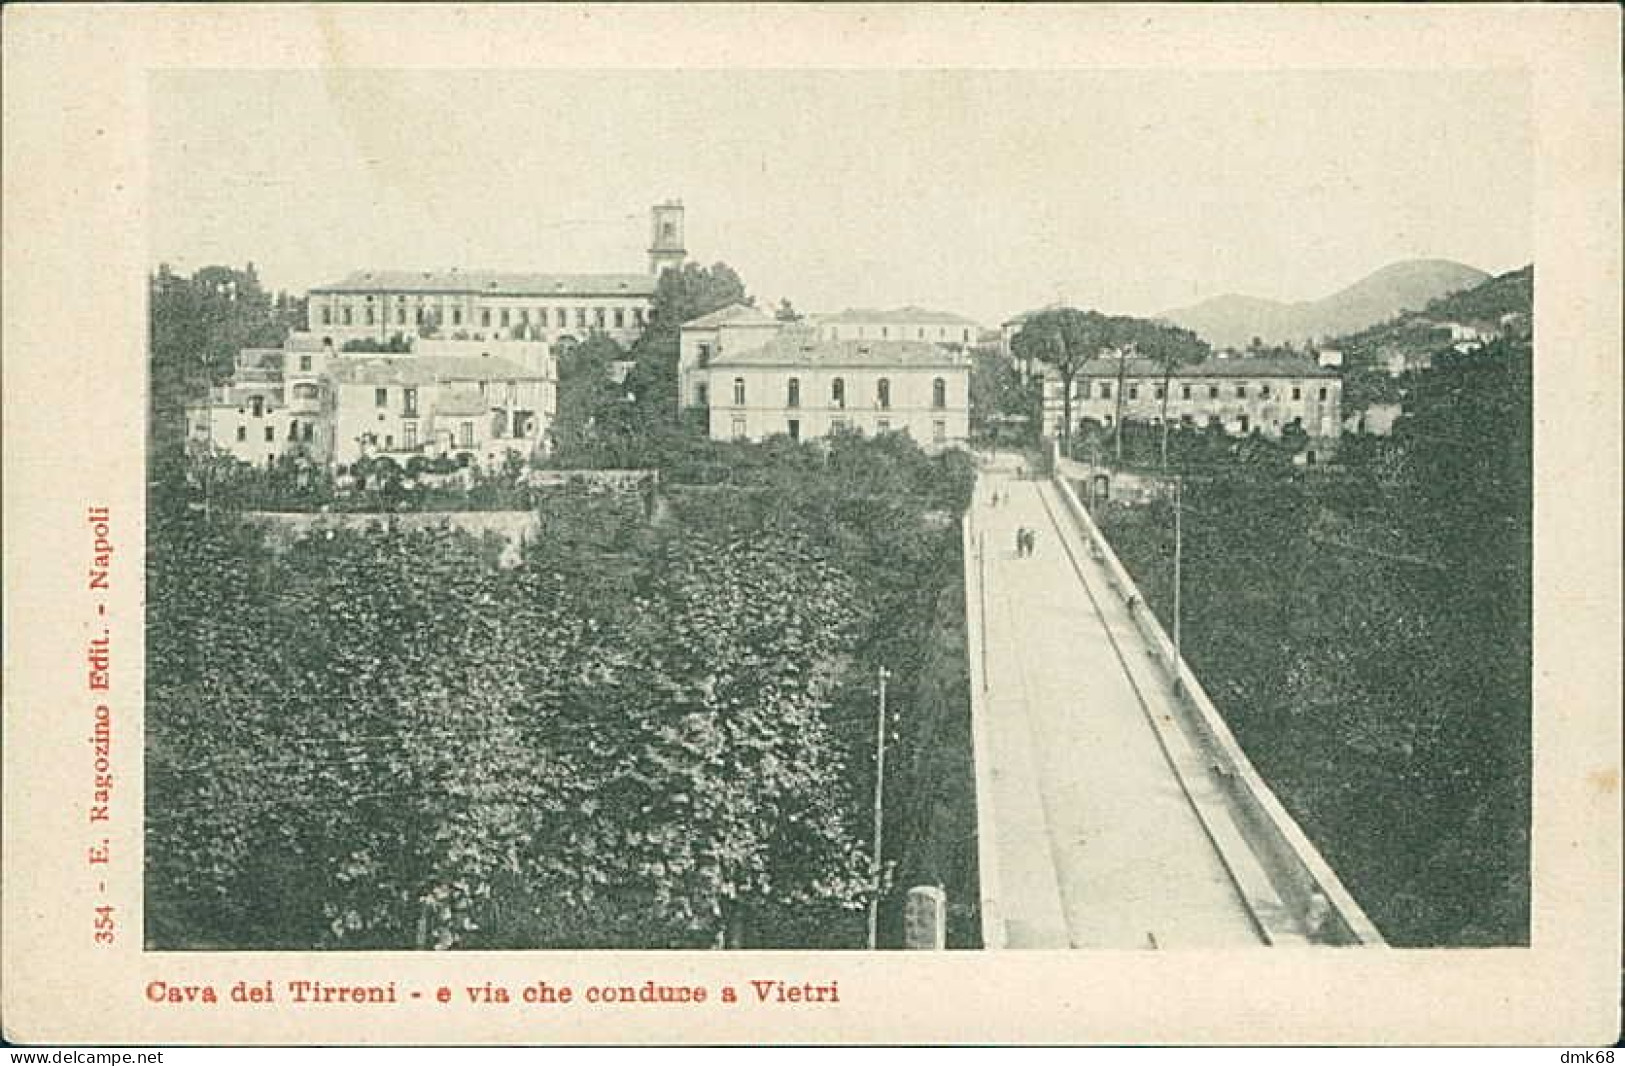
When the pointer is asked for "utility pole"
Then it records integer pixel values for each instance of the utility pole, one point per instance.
(880, 792)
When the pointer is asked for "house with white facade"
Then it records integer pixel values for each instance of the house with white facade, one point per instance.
(800, 384)
(1240, 394)
(483, 399)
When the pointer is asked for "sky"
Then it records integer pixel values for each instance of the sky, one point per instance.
(982, 192)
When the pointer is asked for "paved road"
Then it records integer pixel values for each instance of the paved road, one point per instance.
(1096, 844)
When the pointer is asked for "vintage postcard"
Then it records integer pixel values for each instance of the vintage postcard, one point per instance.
(828, 524)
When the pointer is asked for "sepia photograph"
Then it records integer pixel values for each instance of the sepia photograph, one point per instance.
(812, 524)
(664, 531)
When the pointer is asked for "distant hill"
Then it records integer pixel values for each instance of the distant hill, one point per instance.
(1509, 293)
(1423, 334)
(1233, 321)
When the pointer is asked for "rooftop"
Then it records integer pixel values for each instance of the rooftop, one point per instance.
(734, 314)
(911, 315)
(801, 347)
(1245, 367)
(491, 283)
(361, 368)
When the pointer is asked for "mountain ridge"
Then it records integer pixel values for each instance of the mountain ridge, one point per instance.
(1234, 319)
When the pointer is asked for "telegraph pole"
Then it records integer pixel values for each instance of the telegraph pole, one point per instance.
(880, 792)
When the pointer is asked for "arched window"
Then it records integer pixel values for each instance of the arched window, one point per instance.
(792, 393)
(837, 393)
(939, 393)
(883, 393)
(739, 392)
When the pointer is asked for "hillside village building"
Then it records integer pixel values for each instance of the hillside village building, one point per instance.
(435, 405)
(484, 305)
(756, 377)
(445, 400)
(703, 340)
(478, 380)
(1266, 393)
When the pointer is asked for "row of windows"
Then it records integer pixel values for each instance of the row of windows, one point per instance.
(1087, 389)
(304, 390)
(600, 317)
(409, 399)
(1241, 422)
(305, 431)
(504, 392)
(943, 333)
(409, 436)
(792, 428)
(837, 393)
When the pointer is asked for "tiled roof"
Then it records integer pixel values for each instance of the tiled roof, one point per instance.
(425, 369)
(733, 314)
(803, 348)
(1246, 367)
(491, 283)
(910, 315)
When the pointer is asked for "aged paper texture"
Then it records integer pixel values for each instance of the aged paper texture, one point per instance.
(91, 165)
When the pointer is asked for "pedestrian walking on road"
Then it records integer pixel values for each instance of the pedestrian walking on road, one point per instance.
(1032, 541)
(1021, 541)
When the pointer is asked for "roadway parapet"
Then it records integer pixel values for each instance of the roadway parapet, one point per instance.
(1305, 882)
(987, 867)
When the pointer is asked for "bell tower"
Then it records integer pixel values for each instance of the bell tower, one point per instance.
(666, 237)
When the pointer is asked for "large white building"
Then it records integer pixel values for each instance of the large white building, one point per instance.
(1266, 393)
(486, 305)
(703, 340)
(755, 378)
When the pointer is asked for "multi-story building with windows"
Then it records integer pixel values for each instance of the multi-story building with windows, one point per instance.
(704, 340)
(483, 305)
(1267, 393)
(435, 405)
(338, 407)
(798, 384)
(263, 412)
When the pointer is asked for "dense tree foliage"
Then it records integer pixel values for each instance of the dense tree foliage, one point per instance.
(197, 325)
(683, 294)
(1003, 406)
(589, 401)
(1509, 293)
(1065, 338)
(647, 734)
(1366, 632)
